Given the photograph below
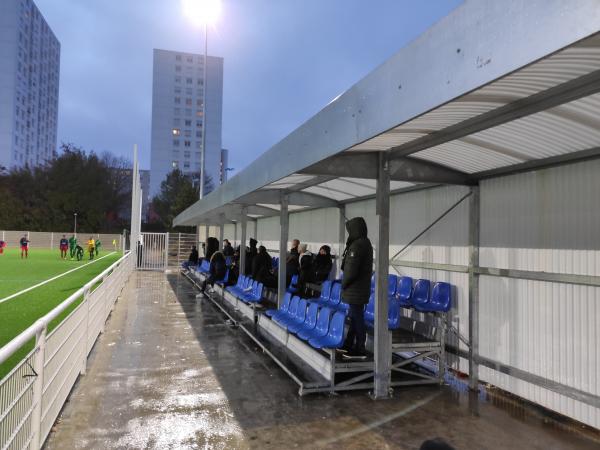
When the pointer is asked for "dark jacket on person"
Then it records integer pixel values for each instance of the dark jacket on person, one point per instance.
(323, 264)
(261, 265)
(193, 259)
(357, 263)
(250, 254)
(228, 250)
(217, 266)
(306, 271)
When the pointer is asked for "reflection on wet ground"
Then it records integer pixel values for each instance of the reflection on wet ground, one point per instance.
(170, 374)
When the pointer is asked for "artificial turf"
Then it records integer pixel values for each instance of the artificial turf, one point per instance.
(17, 274)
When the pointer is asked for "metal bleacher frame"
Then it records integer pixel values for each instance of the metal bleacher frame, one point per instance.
(324, 371)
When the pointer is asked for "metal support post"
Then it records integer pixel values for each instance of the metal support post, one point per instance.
(222, 229)
(341, 239)
(382, 336)
(86, 305)
(284, 226)
(474, 215)
(243, 241)
(235, 227)
(166, 251)
(38, 388)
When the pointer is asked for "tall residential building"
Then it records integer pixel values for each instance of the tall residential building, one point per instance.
(178, 99)
(29, 73)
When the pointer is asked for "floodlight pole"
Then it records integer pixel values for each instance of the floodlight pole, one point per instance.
(204, 84)
(75, 228)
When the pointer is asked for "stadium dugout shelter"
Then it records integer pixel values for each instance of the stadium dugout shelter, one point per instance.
(473, 154)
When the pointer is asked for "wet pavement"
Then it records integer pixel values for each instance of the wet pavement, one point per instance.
(170, 374)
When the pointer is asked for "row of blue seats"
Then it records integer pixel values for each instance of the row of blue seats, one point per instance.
(420, 296)
(320, 326)
(247, 289)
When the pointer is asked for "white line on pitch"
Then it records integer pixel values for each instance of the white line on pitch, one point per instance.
(2, 300)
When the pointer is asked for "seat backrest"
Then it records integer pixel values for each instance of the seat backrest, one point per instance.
(370, 311)
(294, 280)
(301, 312)
(323, 321)
(392, 282)
(285, 303)
(441, 296)
(311, 316)
(241, 280)
(336, 294)
(259, 291)
(325, 290)
(293, 309)
(373, 283)
(394, 314)
(404, 288)
(421, 292)
(336, 327)
(247, 282)
(228, 260)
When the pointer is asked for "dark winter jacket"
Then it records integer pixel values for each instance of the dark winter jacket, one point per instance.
(193, 259)
(217, 266)
(251, 252)
(228, 250)
(323, 264)
(261, 265)
(357, 263)
(306, 272)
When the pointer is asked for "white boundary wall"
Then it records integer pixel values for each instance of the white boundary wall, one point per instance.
(548, 220)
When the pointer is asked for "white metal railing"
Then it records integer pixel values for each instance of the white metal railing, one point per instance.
(33, 393)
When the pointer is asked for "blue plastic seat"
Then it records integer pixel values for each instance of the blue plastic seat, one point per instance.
(404, 291)
(323, 299)
(370, 310)
(285, 304)
(321, 328)
(335, 334)
(394, 309)
(440, 299)
(283, 317)
(335, 296)
(246, 293)
(246, 285)
(237, 286)
(299, 317)
(310, 322)
(228, 260)
(292, 287)
(255, 295)
(420, 296)
(392, 283)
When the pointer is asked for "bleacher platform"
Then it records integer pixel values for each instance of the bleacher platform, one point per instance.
(302, 335)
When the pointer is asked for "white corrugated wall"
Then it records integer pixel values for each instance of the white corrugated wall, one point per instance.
(547, 221)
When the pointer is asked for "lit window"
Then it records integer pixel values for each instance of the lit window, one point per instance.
(199, 113)
(176, 131)
(175, 164)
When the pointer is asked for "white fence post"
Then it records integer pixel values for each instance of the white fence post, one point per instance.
(38, 387)
(52, 240)
(86, 292)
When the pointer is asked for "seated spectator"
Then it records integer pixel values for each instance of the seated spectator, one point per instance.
(292, 262)
(227, 248)
(323, 264)
(250, 254)
(192, 259)
(262, 267)
(306, 271)
(217, 270)
(234, 269)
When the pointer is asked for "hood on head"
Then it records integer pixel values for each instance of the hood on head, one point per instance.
(357, 228)
(327, 249)
(253, 242)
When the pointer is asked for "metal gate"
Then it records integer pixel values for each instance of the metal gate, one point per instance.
(152, 251)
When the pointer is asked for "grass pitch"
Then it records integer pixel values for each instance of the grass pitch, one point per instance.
(23, 310)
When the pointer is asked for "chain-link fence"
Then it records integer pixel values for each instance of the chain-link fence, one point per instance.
(41, 239)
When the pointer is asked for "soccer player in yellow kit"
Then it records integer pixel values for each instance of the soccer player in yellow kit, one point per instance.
(91, 245)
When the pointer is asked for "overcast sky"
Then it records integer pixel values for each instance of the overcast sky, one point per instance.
(284, 61)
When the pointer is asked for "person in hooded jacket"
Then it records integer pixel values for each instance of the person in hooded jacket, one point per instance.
(218, 268)
(306, 271)
(357, 265)
(262, 266)
(322, 264)
(227, 248)
(250, 254)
